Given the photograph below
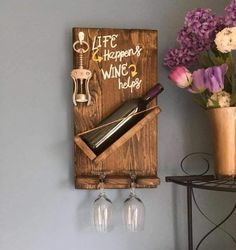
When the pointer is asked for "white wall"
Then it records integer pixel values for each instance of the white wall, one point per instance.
(39, 207)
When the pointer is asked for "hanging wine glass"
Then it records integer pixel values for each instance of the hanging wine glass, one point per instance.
(133, 210)
(102, 210)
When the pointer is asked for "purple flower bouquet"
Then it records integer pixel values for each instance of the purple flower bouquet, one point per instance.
(203, 62)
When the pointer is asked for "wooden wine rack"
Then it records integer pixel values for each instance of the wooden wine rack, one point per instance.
(136, 150)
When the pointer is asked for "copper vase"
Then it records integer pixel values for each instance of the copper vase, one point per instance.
(223, 122)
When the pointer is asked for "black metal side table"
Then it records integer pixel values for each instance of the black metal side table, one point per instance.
(207, 182)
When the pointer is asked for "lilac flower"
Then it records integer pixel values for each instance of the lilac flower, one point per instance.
(198, 85)
(214, 78)
(188, 39)
(230, 14)
(199, 31)
(203, 31)
(179, 57)
(202, 23)
(220, 23)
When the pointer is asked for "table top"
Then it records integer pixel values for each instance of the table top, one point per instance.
(208, 182)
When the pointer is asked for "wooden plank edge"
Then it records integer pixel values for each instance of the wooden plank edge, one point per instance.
(115, 182)
(85, 148)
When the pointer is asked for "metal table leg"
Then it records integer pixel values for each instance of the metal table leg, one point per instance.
(190, 218)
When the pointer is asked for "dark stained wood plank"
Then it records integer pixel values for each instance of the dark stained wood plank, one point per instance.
(123, 139)
(128, 135)
(140, 152)
(118, 182)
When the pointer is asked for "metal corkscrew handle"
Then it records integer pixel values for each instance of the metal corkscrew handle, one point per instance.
(81, 76)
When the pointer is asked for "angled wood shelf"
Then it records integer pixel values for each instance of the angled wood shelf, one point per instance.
(123, 139)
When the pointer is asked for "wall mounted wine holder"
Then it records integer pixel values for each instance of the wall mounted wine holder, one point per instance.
(123, 64)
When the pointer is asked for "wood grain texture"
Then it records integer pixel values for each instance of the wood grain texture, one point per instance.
(119, 182)
(124, 138)
(139, 152)
(85, 148)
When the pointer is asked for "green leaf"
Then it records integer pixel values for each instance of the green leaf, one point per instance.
(215, 104)
(200, 101)
(227, 85)
(204, 61)
(233, 99)
(230, 70)
(217, 60)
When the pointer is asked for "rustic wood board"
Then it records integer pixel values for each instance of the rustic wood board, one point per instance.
(139, 49)
(89, 182)
(149, 115)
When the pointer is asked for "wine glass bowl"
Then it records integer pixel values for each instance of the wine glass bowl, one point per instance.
(102, 210)
(133, 210)
(133, 214)
(102, 214)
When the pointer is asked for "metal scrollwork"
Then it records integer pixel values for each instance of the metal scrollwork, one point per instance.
(204, 157)
(225, 184)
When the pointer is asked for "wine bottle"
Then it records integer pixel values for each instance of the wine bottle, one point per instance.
(98, 140)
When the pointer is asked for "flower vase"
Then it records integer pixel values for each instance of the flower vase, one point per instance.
(223, 122)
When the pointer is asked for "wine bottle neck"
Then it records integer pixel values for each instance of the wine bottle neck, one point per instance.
(152, 93)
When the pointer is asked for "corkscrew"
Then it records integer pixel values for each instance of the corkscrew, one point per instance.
(81, 76)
